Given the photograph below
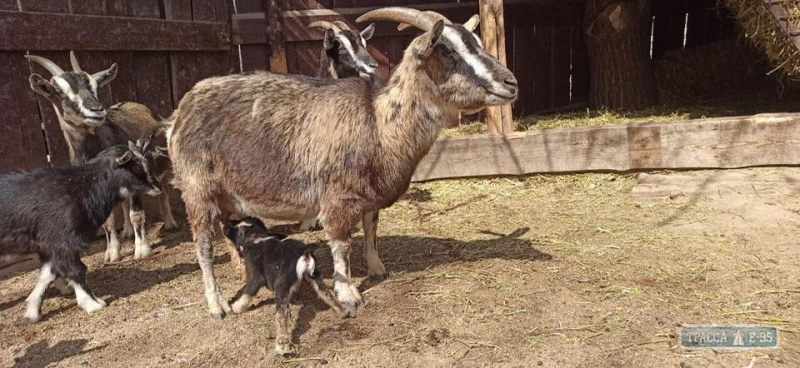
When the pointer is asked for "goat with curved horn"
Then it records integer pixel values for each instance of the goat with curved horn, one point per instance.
(325, 25)
(76, 67)
(51, 67)
(435, 15)
(412, 17)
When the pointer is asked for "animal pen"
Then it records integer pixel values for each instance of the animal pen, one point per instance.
(436, 310)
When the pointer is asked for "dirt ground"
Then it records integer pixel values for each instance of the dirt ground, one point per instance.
(552, 271)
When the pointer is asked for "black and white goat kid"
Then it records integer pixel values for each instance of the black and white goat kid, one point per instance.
(280, 265)
(55, 213)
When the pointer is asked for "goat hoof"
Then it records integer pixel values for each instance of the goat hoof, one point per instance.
(111, 258)
(218, 316)
(32, 317)
(283, 346)
(170, 225)
(349, 309)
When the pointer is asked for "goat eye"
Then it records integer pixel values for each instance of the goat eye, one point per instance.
(448, 52)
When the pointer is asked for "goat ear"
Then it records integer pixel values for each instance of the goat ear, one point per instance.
(106, 76)
(368, 32)
(430, 39)
(330, 39)
(43, 86)
(122, 160)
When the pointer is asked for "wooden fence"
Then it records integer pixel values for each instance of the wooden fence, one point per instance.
(163, 47)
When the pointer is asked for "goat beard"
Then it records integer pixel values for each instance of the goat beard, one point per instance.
(472, 111)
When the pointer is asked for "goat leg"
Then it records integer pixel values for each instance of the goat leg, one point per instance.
(141, 245)
(324, 293)
(375, 268)
(127, 228)
(34, 301)
(74, 271)
(250, 290)
(166, 211)
(112, 246)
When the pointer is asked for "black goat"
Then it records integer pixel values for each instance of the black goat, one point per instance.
(280, 265)
(55, 213)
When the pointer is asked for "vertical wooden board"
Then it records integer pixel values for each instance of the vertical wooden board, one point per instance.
(206, 63)
(145, 8)
(523, 55)
(668, 32)
(380, 49)
(249, 6)
(91, 7)
(580, 67)
(560, 66)
(291, 58)
(153, 82)
(124, 85)
(542, 99)
(306, 58)
(23, 145)
(228, 61)
(8, 5)
(255, 57)
(56, 144)
(49, 6)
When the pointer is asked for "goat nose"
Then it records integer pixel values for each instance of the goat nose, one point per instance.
(373, 64)
(511, 82)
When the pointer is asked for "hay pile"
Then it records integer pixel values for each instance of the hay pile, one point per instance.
(760, 27)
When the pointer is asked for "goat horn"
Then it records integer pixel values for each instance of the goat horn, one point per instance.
(325, 25)
(472, 23)
(435, 15)
(412, 17)
(342, 25)
(51, 67)
(76, 67)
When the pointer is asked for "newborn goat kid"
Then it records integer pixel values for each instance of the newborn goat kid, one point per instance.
(280, 265)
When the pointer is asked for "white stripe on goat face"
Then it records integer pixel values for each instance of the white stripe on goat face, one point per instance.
(75, 98)
(344, 41)
(471, 59)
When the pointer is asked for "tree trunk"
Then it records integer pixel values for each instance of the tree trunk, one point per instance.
(618, 44)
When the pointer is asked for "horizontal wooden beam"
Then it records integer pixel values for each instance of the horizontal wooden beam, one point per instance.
(50, 31)
(731, 142)
(250, 28)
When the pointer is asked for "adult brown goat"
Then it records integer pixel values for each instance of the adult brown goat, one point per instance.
(292, 147)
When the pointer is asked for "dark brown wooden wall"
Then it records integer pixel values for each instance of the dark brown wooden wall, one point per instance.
(158, 59)
(163, 47)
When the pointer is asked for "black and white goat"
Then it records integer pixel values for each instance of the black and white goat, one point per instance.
(89, 127)
(280, 265)
(344, 53)
(55, 213)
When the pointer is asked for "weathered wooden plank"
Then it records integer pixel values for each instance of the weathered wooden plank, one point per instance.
(580, 68)
(560, 66)
(41, 6)
(760, 140)
(542, 62)
(23, 31)
(523, 56)
(23, 145)
(8, 5)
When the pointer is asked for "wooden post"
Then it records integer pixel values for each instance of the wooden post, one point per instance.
(275, 36)
(498, 118)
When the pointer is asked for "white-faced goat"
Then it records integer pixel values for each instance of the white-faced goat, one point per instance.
(292, 147)
(89, 128)
(280, 265)
(55, 213)
(344, 53)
